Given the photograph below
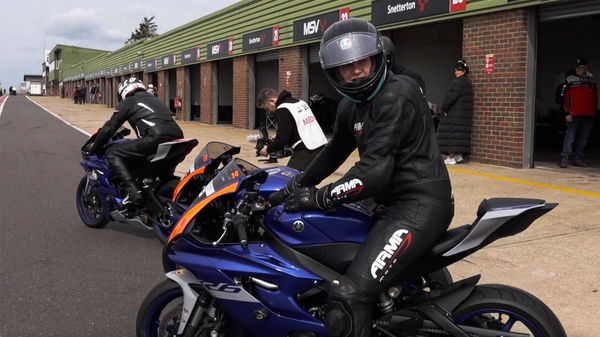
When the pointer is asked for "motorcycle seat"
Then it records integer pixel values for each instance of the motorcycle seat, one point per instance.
(488, 204)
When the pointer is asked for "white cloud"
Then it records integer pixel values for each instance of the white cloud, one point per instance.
(84, 27)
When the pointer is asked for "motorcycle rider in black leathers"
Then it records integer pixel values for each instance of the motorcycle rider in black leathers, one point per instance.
(386, 117)
(153, 124)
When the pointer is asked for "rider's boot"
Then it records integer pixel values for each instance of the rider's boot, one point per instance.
(348, 310)
(118, 165)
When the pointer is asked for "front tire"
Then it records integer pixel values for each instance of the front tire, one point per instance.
(160, 313)
(91, 206)
(506, 309)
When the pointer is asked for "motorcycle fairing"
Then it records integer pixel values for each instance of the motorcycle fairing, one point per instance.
(223, 267)
(197, 207)
(185, 180)
(210, 153)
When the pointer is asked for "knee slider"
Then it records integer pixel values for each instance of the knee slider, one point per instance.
(338, 320)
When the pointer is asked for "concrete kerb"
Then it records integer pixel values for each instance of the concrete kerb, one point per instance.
(555, 259)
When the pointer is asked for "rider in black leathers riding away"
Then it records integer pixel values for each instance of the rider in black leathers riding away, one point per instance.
(152, 123)
(387, 118)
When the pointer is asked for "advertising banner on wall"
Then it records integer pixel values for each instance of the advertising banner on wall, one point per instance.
(136, 65)
(264, 38)
(150, 64)
(190, 55)
(219, 49)
(390, 11)
(167, 61)
(315, 26)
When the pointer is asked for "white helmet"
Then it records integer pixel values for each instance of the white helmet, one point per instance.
(129, 86)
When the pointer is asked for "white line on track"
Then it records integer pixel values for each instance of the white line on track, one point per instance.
(57, 116)
(2, 105)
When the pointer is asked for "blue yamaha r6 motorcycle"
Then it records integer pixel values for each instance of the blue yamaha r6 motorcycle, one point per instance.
(255, 271)
(100, 192)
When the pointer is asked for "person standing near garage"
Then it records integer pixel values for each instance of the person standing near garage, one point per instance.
(454, 132)
(297, 127)
(580, 99)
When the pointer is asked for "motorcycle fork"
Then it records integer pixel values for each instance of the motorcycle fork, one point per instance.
(184, 278)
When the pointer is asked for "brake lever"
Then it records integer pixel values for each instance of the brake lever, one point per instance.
(226, 223)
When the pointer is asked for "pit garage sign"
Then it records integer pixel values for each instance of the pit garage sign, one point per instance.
(390, 11)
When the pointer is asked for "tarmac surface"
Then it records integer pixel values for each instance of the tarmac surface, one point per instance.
(556, 258)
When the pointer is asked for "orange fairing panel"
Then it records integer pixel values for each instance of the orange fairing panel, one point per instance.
(191, 213)
(185, 181)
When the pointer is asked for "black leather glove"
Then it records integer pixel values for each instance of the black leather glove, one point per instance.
(278, 197)
(306, 198)
(87, 149)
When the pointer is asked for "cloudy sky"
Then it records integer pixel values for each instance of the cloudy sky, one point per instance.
(27, 27)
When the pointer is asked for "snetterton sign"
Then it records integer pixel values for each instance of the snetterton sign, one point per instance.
(264, 38)
(390, 11)
(190, 55)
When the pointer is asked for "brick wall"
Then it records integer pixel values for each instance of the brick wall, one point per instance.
(115, 86)
(162, 89)
(290, 60)
(206, 93)
(241, 91)
(182, 72)
(499, 97)
(147, 79)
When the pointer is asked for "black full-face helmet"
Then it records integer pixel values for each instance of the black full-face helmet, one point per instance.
(128, 87)
(348, 41)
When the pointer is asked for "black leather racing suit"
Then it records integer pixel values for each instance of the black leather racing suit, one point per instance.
(401, 168)
(152, 123)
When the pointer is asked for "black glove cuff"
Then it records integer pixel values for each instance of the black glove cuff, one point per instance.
(322, 199)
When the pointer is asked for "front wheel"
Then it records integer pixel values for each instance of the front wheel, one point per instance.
(508, 309)
(160, 314)
(91, 206)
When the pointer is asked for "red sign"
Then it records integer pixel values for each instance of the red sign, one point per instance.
(276, 35)
(458, 5)
(489, 63)
(344, 13)
(230, 47)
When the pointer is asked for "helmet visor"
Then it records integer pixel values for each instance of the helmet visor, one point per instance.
(348, 48)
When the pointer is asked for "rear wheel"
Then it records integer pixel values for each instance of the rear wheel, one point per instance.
(508, 309)
(91, 206)
(164, 222)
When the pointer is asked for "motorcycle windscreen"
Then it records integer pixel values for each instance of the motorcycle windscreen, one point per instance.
(212, 151)
(227, 181)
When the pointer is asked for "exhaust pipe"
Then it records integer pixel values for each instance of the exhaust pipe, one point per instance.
(118, 216)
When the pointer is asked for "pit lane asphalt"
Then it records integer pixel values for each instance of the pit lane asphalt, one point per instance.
(59, 277)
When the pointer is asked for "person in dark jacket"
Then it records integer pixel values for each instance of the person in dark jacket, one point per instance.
(387, 118)
(454, 132)
(152, 122)
(82, 94)
(297, 127)
(580, 99)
